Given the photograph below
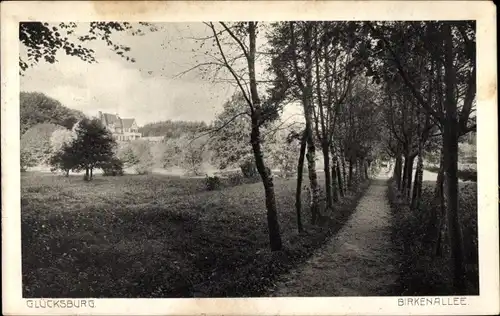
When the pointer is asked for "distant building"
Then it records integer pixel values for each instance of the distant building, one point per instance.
(122, 129)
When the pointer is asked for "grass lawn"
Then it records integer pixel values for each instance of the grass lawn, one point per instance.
(158, 236)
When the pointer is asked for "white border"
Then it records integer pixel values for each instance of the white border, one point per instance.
(482, 11)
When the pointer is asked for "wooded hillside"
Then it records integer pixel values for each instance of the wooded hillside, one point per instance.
(171, 129)
(37, 108)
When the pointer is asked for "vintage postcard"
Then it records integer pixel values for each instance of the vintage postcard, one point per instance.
(249, 158)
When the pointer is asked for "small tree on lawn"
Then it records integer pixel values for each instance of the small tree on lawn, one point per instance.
(144, 159)
(65, 159)
(172, 153)
(93, 146)
(193, 154)
(127, 156)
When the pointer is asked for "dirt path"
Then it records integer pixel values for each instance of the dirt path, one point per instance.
(358, 261)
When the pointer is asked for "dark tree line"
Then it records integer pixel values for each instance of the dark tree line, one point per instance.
(37, 108)
(429, 73)
(172, 129)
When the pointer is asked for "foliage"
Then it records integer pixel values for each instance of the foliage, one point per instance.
(37, 108)
(60, 138)
(27, 159)
(113, 167)
(36, 143)
(44, 40)
(284, 151)
(235, 179)
(126, 154)
(193, 153)
(172, 153)
(248, 168)
(65, 159)
(172, 129)
(142, 151)
(230, 139)
(186, 152)
(94, 145)
(422, 272)
(212, 183)
(362, 130)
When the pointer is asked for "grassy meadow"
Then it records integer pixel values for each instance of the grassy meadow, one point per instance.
(158, 236)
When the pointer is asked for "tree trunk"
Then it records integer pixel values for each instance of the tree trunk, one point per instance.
(67, 173)
(417, 184)
(328, 176)
(91, 173)
(339, 180)
(397, 171)
(335, 190)
(344, 173)
(450, 144)
(349, 182)
(405, 174)
(86, 177)
(359, 173)
(313, 178)
(307, 101)
(409, 178)
(267, 180)
(300, 174)
(440, 211)
(272, 214)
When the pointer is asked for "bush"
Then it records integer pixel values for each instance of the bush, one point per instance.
(418, 274)
(27, 160)
(235, 179)
(249, 169)
(467, 175)
(142, 169)
(212, 183)
(422, 272)
(113, 168)
(143, 161)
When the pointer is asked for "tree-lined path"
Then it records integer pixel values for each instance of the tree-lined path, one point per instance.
(359, 261)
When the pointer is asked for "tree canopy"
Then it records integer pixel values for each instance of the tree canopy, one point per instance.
(38, 108)
(44, 40)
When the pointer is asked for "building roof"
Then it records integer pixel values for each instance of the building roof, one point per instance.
(112, 119)
(127, 123)
(117, 121)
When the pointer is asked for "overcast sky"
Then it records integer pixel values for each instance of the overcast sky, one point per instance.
(148, 89)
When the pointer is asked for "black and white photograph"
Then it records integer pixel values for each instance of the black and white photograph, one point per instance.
(286, 158)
